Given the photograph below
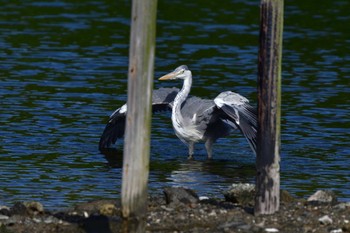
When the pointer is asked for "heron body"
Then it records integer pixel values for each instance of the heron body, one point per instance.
(194, 119)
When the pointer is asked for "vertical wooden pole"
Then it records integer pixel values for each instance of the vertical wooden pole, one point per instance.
(267, 198)
(140, 84)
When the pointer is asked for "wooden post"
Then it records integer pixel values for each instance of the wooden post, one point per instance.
(139, 109)
(267, 198)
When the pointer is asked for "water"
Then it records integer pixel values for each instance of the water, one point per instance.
(63, 70)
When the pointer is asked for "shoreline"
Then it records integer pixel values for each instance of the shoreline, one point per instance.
(181, 210)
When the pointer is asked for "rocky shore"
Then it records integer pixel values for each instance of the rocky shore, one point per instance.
(181, 210)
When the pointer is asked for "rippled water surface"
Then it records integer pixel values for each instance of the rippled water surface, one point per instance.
(63, 70)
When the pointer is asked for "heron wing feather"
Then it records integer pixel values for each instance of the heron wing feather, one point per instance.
(238, 110)
(162, 99)
(199, 111)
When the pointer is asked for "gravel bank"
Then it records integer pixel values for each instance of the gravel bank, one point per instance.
(181, 210)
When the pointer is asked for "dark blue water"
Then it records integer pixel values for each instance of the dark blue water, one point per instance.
(63, 71)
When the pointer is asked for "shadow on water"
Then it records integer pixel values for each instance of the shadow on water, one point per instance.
(113, 156)
(220, 167)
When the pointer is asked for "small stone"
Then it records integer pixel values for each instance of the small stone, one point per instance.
(325, 220)
(336, 231)
(4, 208)
(34, 207)
(73, 213)
(86, 215)
(48, 220)
(223, 211)
(4, 217)
(260, 224)
(19, 209)
(36, 220)
(26, 208)
(166, 208)
(105, 207)
(271, 229)
(108, 209)
(234, 224)
(212, 213)
(343, 205)
(325, 196)
(346, 226)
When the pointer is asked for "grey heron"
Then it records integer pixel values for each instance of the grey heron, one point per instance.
(194, 119)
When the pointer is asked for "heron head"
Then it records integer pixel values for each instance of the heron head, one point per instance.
(180, 72)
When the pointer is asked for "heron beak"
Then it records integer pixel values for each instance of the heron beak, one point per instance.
(168, 76)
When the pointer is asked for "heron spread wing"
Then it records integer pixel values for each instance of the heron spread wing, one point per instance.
(194, 119)
(161, 101)
(241, 113)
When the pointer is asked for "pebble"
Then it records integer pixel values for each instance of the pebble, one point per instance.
(105, 209)
(48, 220)
(4, 207)
(234, 224)
(212, 213)
(34, 207)
(271, 229)
(36, 220)
(343, 205)
(73, 213)
(325, 220)
(223, 211)
(166, 208)
(4, 217)
(336, 231)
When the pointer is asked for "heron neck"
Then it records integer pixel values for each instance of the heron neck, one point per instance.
(182, 96)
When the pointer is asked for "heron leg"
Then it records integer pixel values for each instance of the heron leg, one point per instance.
(209, 147)
(190, 150)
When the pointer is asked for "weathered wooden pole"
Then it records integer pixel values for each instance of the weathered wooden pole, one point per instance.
(267, 198)
(140, 84)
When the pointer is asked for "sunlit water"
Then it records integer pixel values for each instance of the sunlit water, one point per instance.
(64, 67)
